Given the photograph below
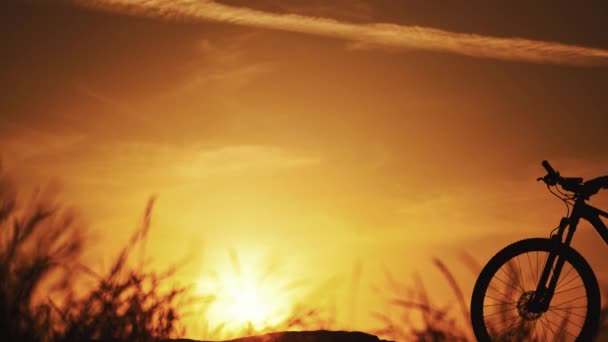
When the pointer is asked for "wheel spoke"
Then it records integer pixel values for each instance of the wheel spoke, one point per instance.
(560, 328)
(564, 277)
(514, 281)
(533, 330)
(504, 282)
(514, 319)
(549, 325)
(571, 313)
(571, 300)
(544, 329)
(504, 320)
(566, 318)
(499, 312)
(531, 269)
(566, 283)
(570, 289)
(523, 283)
(498, 300)
(504, 294)
(498, 304)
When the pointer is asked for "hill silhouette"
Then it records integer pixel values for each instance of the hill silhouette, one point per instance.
(302, 336)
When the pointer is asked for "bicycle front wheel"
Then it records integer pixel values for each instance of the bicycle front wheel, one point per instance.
(499, 310)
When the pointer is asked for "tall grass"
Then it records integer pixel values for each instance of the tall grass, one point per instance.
(40, 297)
(414, 316)
(128, 303)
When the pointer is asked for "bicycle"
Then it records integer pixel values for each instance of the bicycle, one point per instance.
(548, 302)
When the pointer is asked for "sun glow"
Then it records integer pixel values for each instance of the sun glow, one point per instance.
(244, 300)
(247, 305)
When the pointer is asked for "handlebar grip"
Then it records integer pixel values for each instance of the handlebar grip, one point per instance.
(548, 167)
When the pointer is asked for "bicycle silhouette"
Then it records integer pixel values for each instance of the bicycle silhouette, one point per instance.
(557, 299)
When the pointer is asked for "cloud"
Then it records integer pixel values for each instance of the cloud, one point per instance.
(190, 162)
(80, 158)
(226, 65)
(242, 158)
(31, 145)
(375, 34)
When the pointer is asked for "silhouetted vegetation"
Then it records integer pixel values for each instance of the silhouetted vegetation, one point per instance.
(42, 299)
(435, 322)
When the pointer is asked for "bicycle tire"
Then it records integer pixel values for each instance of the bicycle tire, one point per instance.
(590, 325)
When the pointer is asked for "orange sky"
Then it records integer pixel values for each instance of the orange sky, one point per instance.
(313, 150)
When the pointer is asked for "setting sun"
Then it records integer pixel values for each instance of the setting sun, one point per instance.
(244, 297)
(247, 305)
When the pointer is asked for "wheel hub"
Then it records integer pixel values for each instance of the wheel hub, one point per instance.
(524, 307)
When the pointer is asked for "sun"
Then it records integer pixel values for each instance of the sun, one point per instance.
(247, 304)
(245, 298)
(242, 302)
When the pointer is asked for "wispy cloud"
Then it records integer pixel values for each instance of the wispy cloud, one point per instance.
(375, 34)
(242, 158)
(120, 162)
(225, 65)
(32, 144)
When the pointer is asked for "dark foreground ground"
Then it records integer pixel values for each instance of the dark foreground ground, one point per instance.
(304, 336)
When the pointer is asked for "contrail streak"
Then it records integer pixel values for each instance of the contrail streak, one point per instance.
(377, 34)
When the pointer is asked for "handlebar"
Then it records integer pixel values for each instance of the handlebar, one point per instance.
(552, 177)
(573, 184)
(549, 168)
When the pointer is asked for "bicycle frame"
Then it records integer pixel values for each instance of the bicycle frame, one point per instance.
(544, 292)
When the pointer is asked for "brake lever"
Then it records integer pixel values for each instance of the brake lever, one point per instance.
(549, 180)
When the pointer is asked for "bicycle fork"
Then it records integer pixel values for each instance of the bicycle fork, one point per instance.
(547, 283)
